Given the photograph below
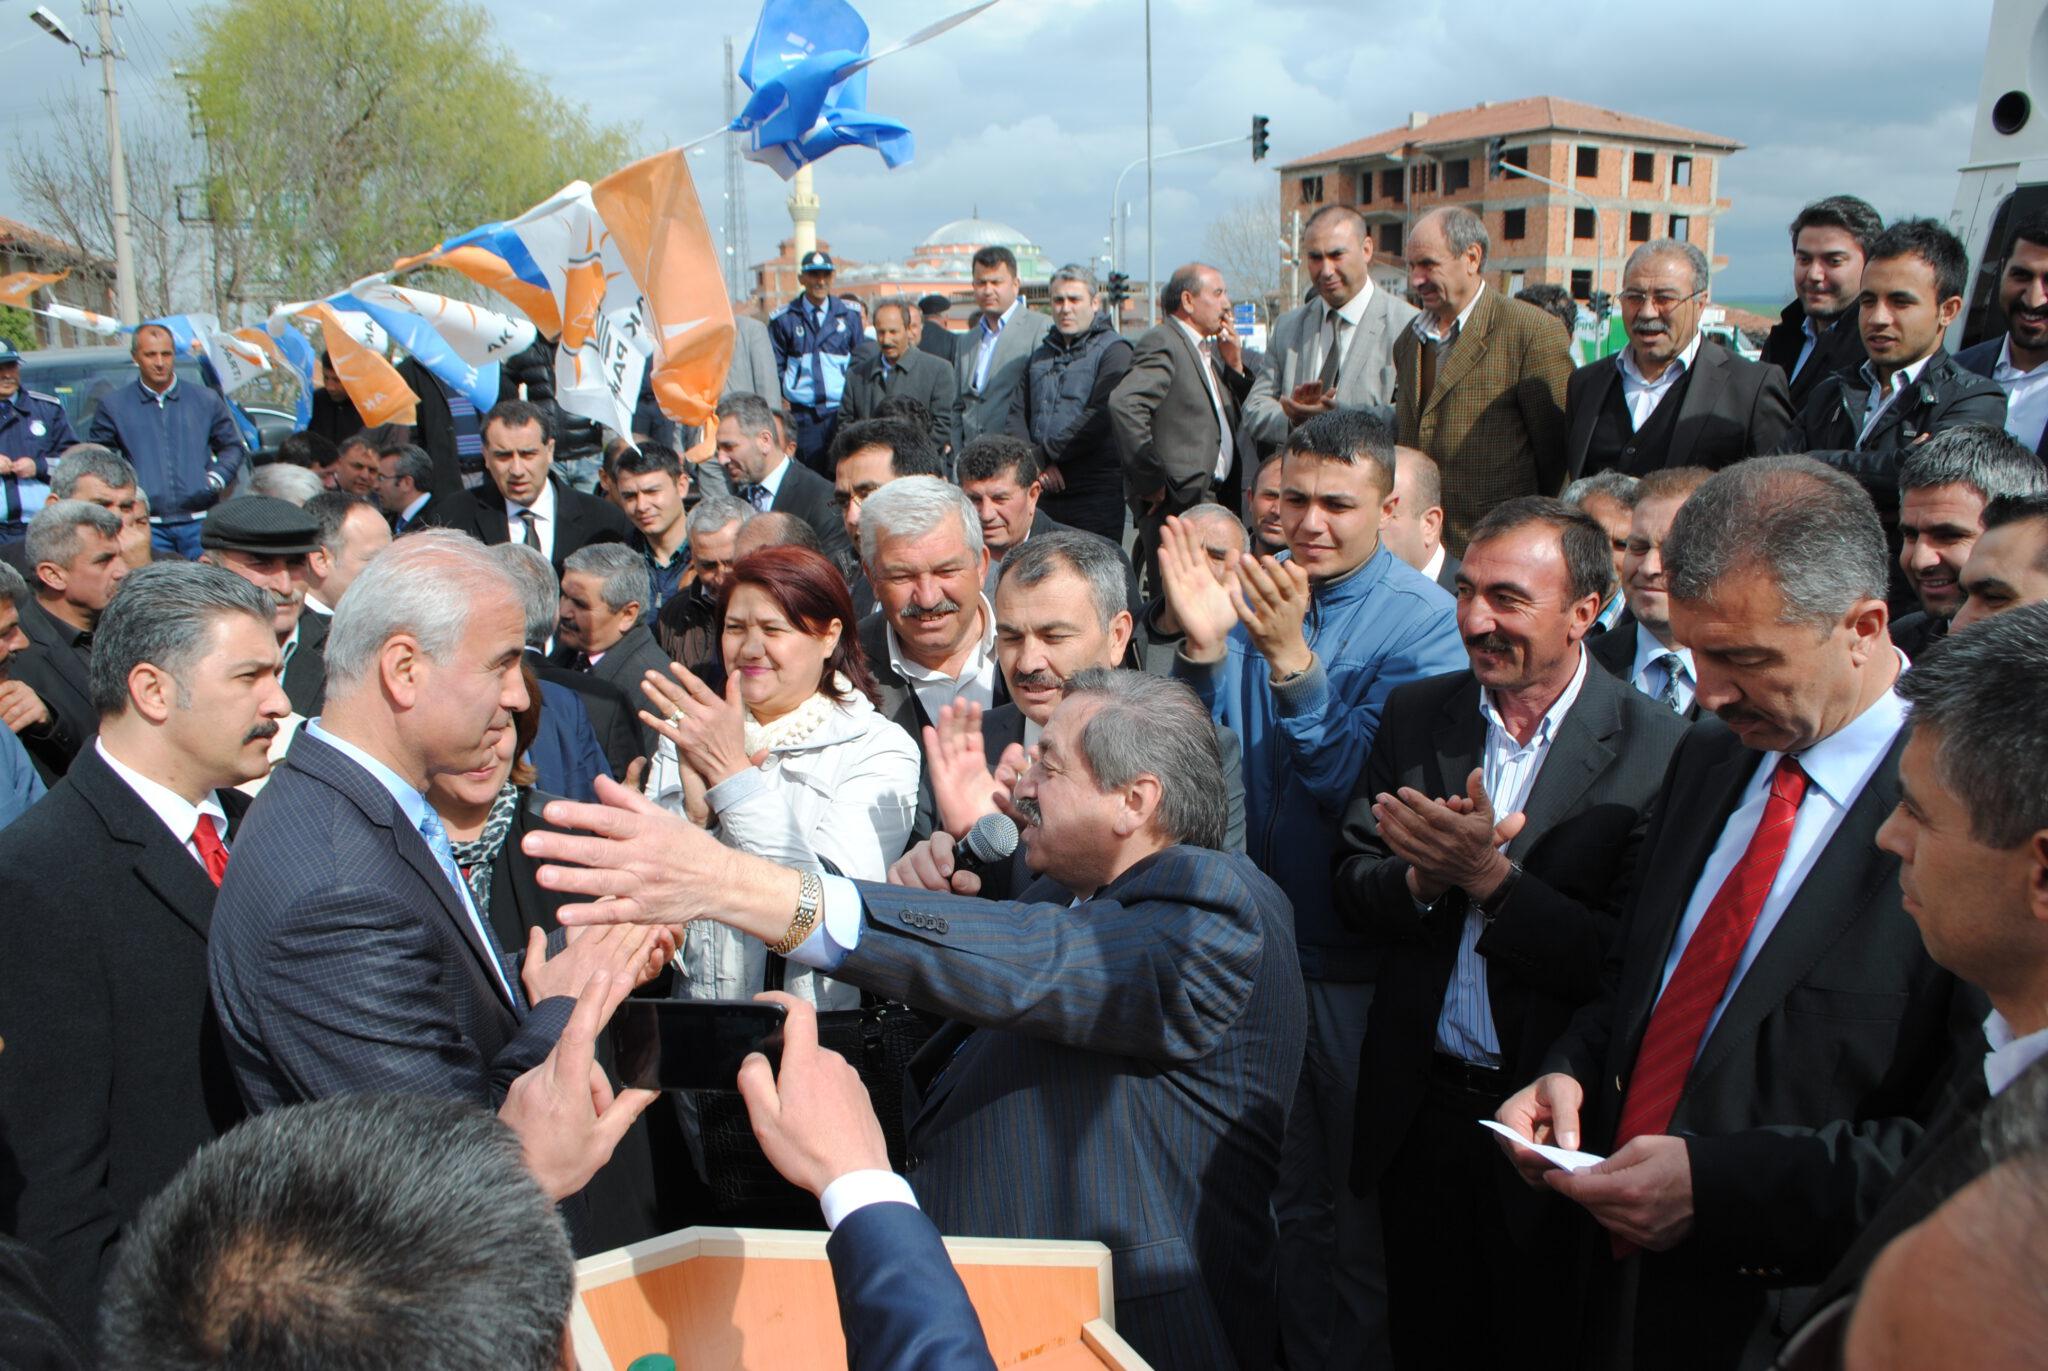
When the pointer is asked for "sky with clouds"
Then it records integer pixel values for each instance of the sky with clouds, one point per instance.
(1027, 112)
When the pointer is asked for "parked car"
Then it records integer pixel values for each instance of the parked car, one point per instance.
(81, 377)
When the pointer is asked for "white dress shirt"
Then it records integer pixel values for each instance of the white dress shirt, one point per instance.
(1642, 397)
(179, 814)
(1352, 312)
(1434, 567)
(1837, 768)
(1425, 322)
(2026, 396)
(543, 519)
(1465, 1029)
(412, 511)
(2009, 1056)
(1224, 445)
(1880, 401)
(1647, 674)
(935, 689)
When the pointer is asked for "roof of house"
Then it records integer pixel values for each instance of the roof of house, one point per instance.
(1500, 119)
(15, 234)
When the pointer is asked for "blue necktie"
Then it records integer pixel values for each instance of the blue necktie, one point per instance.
(1668, 696)
(756, 494)
(436, 835)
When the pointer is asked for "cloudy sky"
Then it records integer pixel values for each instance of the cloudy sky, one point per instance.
(1027, 112)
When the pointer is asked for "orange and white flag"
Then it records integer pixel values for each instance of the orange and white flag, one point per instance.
(18, 288)
(380, 394)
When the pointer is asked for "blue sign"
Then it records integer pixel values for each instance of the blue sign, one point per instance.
(1247, 318)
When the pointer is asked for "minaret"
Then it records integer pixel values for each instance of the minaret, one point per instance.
(803, 211)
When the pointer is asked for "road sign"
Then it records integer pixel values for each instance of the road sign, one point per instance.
(1247, 317)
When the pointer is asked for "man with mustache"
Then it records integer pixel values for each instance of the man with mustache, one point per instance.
(1945, 485)
(1817, 336)
(115, 1071)
(2018, 360)
(1672, 397)
(265, 541)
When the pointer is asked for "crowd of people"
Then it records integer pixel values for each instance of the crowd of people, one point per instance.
(1520, 862)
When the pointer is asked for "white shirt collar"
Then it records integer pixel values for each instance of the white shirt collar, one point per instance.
(179, 814)
(2006, 371)
(983, 651)
(1552, 717)
(1352, 310)
(1648, 650)
(1425, 322)
(2009, 1056)
(318, 606)
(411, 801)
(1841, 762)
(411, 511)
(543, 506)
(1434, 567)
(1680, 365)
(1187, 328)
(772, 482)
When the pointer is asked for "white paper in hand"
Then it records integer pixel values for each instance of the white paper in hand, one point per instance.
(1556, 1156)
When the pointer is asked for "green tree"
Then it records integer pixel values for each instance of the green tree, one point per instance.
(344, 133)
(18, 327)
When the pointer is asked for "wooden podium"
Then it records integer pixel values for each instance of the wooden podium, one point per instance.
(758, 1299)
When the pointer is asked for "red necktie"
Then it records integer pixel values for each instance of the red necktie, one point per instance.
(206, 838)
(1679, 1021)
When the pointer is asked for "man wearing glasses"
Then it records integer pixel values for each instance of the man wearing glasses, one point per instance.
(1671, 398)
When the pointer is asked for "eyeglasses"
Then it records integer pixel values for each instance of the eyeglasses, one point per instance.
(1665, 299)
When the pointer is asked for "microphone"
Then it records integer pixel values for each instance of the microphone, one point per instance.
(990, 843)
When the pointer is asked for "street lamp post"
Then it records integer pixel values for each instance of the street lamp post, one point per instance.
(117, 166)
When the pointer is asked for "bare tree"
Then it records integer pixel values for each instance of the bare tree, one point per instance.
(1244, 243)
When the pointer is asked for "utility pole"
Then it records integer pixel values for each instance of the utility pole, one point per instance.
(735, 191)
(1151, 281)
(117, 166)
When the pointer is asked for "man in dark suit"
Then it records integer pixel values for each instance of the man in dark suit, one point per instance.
(1000, 474)
(1641, 650)
(1414, 530)
(1116, 1069)
(1817, 336)
(1945, 484)
(600, 632)
(1672, 397)
(898, 367)
(115, 1072)
(1481, 376)
(522, 501)
(1494, 919)
(934, 337)
(265, 541)
(1175, 412)
(1968, 840)
(566, 692)
(1769, 1036)
(346, 955)
(763, 474)
(74, 551)
(989, 359)
(2018, 358)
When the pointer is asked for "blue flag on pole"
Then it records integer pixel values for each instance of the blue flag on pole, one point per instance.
(420, 340)
(806, 67)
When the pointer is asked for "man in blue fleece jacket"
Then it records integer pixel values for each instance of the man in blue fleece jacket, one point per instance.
(1299, 656)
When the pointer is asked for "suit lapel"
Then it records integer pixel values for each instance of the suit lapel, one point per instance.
(161, 861)
(1587, 415)
(1459, 737)
(1369, 341)
(1578, 755)
(936, 1068)
(1467, 352)
(1709, 366)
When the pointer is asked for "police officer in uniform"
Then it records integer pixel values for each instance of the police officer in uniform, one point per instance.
(814, 337)
(34, 429)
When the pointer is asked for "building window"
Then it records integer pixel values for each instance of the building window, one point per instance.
(1364, 187)
(1681, 227)
(1516, 157)
(1390, 239)
(1422, 178)
(1457, 176)
(1584, 224)
(1514, 224)
(1681, 171)
(1390, 184)
(1582, 284)
(1589, 160)
(1311, 190)
(1645, 167)
(1638, 227)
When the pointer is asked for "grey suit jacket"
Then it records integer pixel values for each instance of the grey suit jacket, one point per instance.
(986, 408)
(931, 381)
(1366, 376)
(753, 361)
(629, 660)
(1164, 422)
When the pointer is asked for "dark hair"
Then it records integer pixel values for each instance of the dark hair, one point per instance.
(809, 589)
(911, 453)
(163, 614)
(1555, 301)
(331, 508)
(414, 462)
(647, 459)
(1988, 460)
(2014, 509)
(996, 257)
(1985, 697)
(518, 414)
(992, 454)
(1810, 528)
(1933, 244)
(1186, 280)
(1429, 477)
(2032, 228)
(1588, 556)
(1845, 212)
(308, 449)
(914, 412)
(1343, 213)
(1090, 556)
(1349, 435)
(362, 438)
(349, 1233)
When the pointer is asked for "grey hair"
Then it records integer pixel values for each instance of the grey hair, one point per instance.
(163, 614)
(1216, 514)
(1155, 726)
(1984, 698)
(1617, 486)
(749, 411)
(425, 584)
(902, 302)
(415, 463)
(1812, 528)
(281, 481)
(81, 460)
(540, 591)
(1702, 272)
(350, 1233)
(53, 534)
(1090, 557)
(1988, 460)
(1462, 229)
(714, 512)
(621, 573)
(12, 586)
(912, 506)
(1075, 271)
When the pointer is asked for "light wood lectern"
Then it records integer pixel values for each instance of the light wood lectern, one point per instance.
(756, 1299)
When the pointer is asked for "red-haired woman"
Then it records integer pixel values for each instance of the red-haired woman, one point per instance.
(793, 762)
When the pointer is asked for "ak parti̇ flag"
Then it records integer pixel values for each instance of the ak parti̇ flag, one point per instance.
(380, 394)
(17, 289)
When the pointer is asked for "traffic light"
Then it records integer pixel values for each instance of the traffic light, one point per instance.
(1119, 289)
(1259, 122)
(1496, 151)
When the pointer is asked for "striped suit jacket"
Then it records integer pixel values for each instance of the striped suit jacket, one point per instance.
(1495, 417)
(1119, 1071)
(342, 961)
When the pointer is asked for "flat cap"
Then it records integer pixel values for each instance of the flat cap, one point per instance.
(260, 524)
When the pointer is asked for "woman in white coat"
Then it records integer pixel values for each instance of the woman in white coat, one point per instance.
(793, 763)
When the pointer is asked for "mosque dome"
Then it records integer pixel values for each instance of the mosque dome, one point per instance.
(975, 232)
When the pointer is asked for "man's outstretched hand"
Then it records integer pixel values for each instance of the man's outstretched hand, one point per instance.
(813, 1117)
(564, 1111)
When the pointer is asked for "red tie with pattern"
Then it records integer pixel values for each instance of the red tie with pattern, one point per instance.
(206, 838)
(1679, 1021)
